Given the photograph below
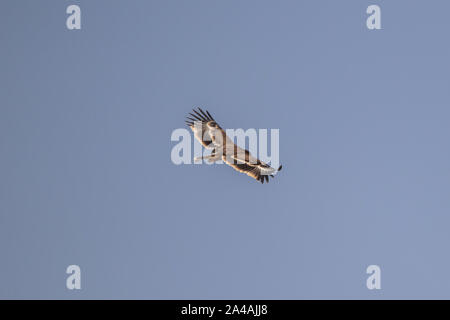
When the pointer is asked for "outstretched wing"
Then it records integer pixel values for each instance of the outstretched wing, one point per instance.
(197, 122)
(239, 159)
(259, 170)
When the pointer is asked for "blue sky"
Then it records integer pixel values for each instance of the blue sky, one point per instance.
(86, 176)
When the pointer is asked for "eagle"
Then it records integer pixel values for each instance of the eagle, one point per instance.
(212, 136)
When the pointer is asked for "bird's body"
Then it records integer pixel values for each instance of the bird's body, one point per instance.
(212, 136)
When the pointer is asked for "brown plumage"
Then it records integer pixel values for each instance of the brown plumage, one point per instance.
(212, 136)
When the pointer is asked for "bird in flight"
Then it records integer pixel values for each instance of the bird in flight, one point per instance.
(212, 136)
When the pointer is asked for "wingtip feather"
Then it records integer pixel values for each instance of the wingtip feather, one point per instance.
(204, 114)
(210, 115)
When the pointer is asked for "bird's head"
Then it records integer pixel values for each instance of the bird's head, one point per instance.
(212, 125)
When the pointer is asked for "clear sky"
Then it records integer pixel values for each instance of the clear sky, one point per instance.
(85, 172)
